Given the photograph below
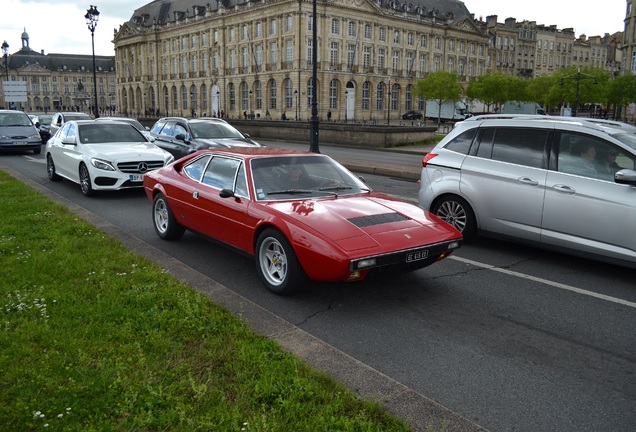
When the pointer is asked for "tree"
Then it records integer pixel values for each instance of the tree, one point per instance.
(622, 90)
(582, 85)
(440, 86)
(498, 88)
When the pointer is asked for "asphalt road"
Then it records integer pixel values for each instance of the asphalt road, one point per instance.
(509, 337)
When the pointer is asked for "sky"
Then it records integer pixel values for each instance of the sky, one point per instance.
(59, 26)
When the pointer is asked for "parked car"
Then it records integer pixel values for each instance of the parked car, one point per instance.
(412, 115)
(141, 128)
(181, 136)
(102, 156)
(18, 133)
(302, 215)
(60, 119)
(42, 123)
(561, 184)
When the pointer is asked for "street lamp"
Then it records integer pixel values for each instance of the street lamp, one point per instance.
(296, 97)
(92, 16)
(249, 103)
(388, 105)
(578, 83)
(313, 135)
(5, 54)
(346, 102)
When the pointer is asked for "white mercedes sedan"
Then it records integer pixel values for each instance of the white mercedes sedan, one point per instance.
(102, 155)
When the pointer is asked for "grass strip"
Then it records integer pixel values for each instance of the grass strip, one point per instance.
(95, 337)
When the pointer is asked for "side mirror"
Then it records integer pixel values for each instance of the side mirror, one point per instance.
(37, 124)
(226, 193)
(625, 176)
(68, 141)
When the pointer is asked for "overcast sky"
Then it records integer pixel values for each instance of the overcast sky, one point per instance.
(59, 26)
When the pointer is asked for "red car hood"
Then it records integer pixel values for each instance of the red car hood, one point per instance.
(369, 222)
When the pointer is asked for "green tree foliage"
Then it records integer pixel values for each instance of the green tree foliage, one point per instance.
(441, 87)
(621, 91)
(496, 89)
(592, 86)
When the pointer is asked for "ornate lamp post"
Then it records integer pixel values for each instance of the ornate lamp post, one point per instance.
(249, 104)
(5, 54)
(346, 103)
(313, 135)
(388, 105)
(578, 78)
(296, 97)
(92, 16)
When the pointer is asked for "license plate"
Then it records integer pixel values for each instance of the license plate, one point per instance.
(136, 177)
(20, 143)
(416, 256)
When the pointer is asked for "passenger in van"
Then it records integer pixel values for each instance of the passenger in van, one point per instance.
(584, 165)
(606, 165)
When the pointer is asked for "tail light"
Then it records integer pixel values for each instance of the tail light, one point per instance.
(427, 158)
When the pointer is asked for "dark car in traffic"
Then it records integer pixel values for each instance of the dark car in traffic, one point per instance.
(182, 136)
(413, 115)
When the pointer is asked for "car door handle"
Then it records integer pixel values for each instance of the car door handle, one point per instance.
(528, 181)
(564, 189)
(195, 194)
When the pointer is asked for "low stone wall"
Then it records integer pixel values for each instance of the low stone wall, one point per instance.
(364, 135)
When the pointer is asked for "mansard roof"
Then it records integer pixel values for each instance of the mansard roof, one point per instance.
(53, 62)
(159, 12)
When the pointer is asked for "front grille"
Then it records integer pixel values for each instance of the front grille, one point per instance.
(367, 221)
(139, 167)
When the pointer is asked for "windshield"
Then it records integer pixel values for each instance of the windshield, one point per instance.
(214, 130)
(69, 117)
(45, 120)
(626, 138)
(15, 119)
(302, 177)
(102, 133)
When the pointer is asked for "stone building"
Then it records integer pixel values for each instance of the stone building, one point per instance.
(60, 81)
(180, 57)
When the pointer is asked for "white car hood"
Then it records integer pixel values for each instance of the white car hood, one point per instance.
(116, 151)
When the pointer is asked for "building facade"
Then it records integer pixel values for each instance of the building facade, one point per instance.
(178, 57)
(60, 81)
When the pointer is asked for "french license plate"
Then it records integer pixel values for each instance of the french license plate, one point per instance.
(136, 177)
(416, 256)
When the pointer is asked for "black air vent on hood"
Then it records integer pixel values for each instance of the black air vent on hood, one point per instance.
(379, 219)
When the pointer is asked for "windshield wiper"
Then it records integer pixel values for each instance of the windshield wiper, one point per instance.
(334, 188)
(291, 192)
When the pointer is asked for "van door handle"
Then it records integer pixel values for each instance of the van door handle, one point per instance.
(528, 181)
(564, 189)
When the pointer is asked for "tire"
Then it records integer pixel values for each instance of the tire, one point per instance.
(85, 181)
(458, 213)
(50, 169)
(277, 264)
(166, 225)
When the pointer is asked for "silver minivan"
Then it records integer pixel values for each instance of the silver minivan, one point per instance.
(563, 184)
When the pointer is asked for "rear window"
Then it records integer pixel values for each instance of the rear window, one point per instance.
(521, 146)
(461, 143)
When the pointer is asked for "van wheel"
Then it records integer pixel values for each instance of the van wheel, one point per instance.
(456, 212)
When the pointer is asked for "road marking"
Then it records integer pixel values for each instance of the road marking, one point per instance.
(36, 160)
(545, 282)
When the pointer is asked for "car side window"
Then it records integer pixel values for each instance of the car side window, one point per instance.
(195, 169)
(592, 157)
(461, 143)
(179, 129)
(521, 146)
(221, 172)
(241, 182)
